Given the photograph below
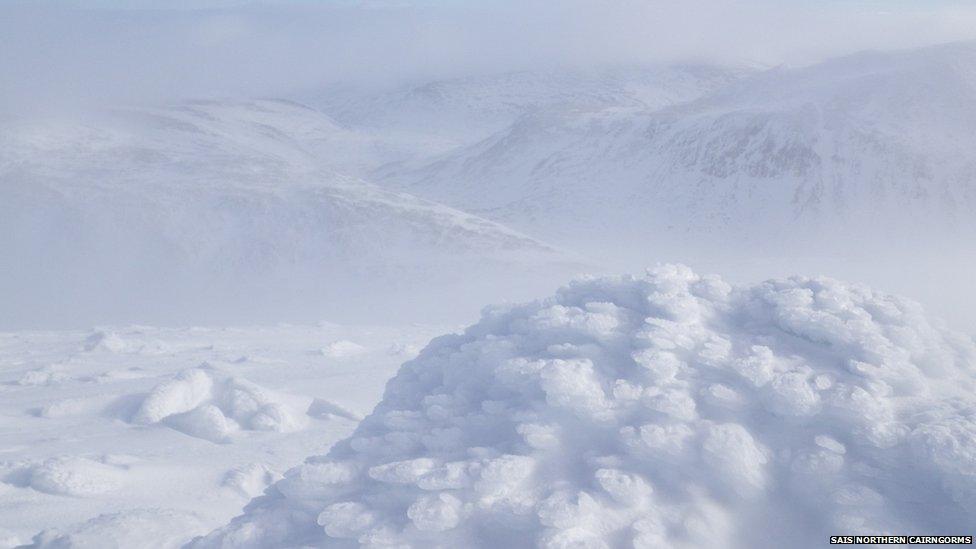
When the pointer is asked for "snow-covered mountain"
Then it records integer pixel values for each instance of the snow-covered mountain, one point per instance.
(215, 203)
(438, 115)
(874, 143)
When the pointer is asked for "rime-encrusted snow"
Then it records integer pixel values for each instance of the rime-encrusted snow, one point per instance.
(667, 410)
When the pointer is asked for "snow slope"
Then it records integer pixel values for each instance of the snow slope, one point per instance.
(875, 144)
(139, 214)
(667, 410)
(143, 437)
(439, 115)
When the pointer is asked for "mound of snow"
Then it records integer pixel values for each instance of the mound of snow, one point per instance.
(76, 476)
(71, 407)
(343, 349)
(160, 528)
(250, 480)
(105, 341)
(671, 410)
(403, 349)
(327, 409)
(42, 377)
(8, 539)
(202, 403)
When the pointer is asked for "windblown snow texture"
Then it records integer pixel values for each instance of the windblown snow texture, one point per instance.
(669, 410)
(145, 437)
(200, 404)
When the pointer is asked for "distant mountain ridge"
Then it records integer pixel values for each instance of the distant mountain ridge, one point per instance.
(454, 112)
(874, 142)
(336, 194)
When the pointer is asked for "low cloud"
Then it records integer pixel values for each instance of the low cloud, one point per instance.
(62, 55)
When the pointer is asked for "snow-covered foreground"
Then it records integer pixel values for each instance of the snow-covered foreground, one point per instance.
(669, 410)
(145, 437)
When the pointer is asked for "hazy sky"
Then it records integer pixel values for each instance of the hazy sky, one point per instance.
(60, 52)
(196, 4)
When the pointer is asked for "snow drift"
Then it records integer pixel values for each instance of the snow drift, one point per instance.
(202, 403)
(669, 410)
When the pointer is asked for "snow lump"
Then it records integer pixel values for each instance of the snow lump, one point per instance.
(204, 403)
(669, 410)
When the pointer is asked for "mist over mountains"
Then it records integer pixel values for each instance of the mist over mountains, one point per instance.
(200, 210)
(782, 157)
(864, 158)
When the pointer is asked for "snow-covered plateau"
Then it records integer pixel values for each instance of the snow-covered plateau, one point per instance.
(143, 437)
(664, 410)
